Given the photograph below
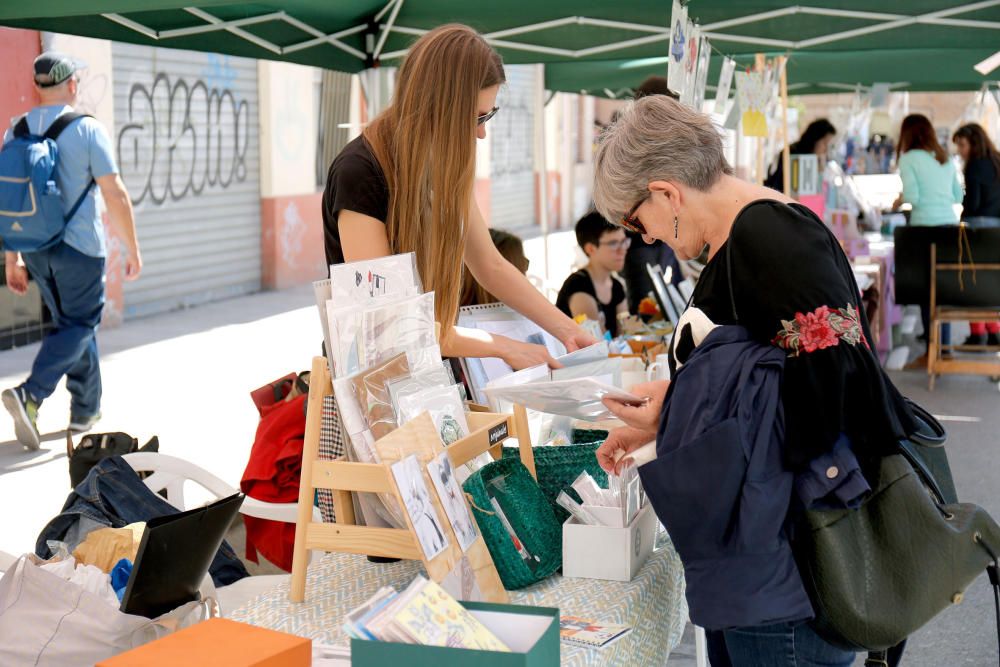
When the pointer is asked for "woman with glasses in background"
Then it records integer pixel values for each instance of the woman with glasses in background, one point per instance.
(595, 290)
(406, 185)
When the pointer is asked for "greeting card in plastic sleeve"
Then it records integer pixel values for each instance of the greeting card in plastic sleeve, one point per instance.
(360, 282)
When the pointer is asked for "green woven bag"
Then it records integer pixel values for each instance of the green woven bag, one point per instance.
(558, 466)
(528, 512)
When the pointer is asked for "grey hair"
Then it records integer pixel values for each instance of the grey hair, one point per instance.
(655, 138)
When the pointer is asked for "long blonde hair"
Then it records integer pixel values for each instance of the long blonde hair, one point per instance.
(425, 142)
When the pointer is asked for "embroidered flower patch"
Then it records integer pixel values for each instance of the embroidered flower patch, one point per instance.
(823, 328)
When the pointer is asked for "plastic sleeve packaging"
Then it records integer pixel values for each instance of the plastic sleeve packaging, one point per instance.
(393, 328)
(373, 397)
(445, 407)
(588, 489)
(578, 511)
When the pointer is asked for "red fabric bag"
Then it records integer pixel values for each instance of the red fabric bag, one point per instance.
(272, 474)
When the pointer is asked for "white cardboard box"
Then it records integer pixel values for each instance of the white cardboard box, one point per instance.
(599, 552)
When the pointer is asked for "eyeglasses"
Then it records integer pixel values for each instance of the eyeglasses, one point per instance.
(486, 116)
(630, 222)
(618, 244)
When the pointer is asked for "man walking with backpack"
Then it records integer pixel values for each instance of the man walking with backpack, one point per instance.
(51, 229)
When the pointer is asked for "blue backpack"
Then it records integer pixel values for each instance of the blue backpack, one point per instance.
(31, 209)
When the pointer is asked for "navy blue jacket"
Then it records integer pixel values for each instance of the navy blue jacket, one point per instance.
(719, 486)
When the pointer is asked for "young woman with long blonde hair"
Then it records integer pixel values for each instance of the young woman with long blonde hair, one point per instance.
(406, 185)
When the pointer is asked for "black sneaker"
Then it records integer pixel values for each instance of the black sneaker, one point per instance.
(993, 339)
(24, 409)
(976, 339)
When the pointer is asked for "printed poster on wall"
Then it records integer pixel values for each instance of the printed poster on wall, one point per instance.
(678, 47)
(752, 94)
(725, 83)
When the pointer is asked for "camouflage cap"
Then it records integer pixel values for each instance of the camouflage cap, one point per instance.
(52, 68)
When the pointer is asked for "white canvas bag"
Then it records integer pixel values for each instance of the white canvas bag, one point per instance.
(49, 622)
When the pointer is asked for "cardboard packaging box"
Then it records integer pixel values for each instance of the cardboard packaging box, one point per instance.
(221, 643)
(532, 633)
(600, 552)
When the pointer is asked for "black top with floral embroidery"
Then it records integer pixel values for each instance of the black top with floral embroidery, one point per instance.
(792, 286)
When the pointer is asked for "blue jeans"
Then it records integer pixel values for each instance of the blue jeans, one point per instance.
(113, 495)
(780, 645)
(72, 286)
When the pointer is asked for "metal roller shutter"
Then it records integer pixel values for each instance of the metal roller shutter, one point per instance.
(186, 139)
(512, 155)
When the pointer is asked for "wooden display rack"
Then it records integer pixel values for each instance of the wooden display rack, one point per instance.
(418, 437)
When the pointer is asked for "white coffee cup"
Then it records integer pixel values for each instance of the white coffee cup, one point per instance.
(659, 369)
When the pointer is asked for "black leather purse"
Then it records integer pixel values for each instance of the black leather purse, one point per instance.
(94, 447)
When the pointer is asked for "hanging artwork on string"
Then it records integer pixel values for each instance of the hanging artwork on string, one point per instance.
(701, 79)
(725, 83)
(690, 64)
(678, 48)
(752, 94)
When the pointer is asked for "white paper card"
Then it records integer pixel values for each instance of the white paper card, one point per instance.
(725, 83)
(417, 500)
(453, 500)
(678, 47)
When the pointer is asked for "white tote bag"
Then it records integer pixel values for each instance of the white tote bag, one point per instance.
(49, 622)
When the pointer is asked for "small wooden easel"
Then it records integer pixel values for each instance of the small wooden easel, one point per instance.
(418, 437)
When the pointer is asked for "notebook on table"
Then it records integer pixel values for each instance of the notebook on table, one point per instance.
(174, 556)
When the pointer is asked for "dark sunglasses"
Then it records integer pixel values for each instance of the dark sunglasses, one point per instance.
(486, 116)
(630, 222)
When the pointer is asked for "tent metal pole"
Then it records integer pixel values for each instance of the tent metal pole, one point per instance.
(321, 37)
(387, 28)
(922, 18)
(786, 159)
(749, 18)
(385, 10)
(760, 65)
(743, 39)
(533, 27)
(963, 23)
(541, 160)
(239, 32)
(215, 27)
(649, 39)
(133, 25)
(850, 14)
(638, 27)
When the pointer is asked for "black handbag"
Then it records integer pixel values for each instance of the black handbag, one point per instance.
(95, 447)
(878, 573)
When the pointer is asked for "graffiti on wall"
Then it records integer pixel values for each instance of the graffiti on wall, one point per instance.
(180, 138)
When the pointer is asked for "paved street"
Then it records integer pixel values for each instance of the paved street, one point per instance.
(186, 376)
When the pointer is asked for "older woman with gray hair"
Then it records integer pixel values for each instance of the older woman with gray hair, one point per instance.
(778, 402)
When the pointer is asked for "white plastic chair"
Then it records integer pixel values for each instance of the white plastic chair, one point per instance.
(170, 473)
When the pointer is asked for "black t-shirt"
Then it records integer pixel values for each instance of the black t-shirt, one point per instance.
(581, 282)
(785, 263)
(355, 182)
(982, 189)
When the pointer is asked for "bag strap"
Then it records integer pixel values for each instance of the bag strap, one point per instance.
(877, 659)
(729, 277)
(21, 128)
(80, 199)
(62, 122)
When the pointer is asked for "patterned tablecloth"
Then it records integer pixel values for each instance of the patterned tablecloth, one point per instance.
(653, 604)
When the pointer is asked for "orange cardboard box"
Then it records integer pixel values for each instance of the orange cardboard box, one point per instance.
(221, 643)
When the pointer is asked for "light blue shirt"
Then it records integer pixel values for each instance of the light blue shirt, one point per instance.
(85, 153)
(930, 187)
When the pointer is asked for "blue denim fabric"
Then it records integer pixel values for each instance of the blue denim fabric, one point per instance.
(113, 495)
(778, 645)
(833, 480)
(72, 286)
